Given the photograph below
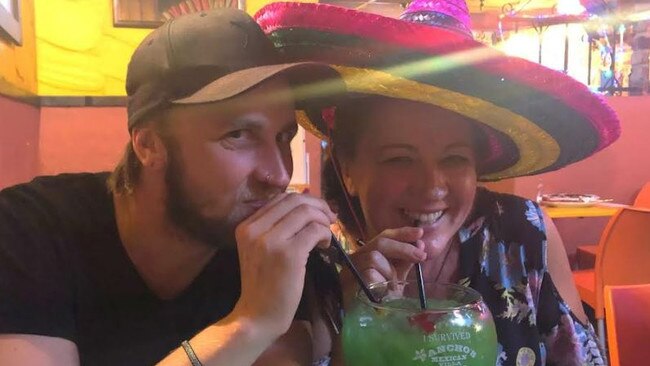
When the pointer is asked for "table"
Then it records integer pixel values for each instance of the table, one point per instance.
(604, 210)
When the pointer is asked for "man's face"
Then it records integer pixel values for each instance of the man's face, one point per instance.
(227, 159)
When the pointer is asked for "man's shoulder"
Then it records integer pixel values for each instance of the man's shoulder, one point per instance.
(51, 187)
(60, 182)
(55, 200)
(48, 228)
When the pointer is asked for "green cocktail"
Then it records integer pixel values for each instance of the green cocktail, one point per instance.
(456, 329)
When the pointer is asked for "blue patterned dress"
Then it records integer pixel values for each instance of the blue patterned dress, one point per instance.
(503, 256)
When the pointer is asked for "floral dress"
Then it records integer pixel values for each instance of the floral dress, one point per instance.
(503, 256)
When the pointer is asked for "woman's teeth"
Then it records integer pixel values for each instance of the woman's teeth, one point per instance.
(424, 218)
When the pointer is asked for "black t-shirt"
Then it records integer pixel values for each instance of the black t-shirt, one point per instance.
(64, 273)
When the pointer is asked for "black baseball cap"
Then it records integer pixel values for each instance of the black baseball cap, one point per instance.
(212, 56)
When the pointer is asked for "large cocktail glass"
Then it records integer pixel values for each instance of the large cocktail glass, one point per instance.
(456, 329)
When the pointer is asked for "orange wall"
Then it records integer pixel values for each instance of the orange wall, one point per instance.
(618, 172)
(93, 138)
(81, 139)
(19, 135)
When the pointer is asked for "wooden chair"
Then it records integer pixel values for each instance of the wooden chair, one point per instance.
(622, 258)
(586, 254)
(628, 324)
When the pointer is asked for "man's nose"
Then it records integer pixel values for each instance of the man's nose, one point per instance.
(276, 168)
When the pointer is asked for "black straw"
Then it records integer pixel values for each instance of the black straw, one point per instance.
(423, 296)
(353, 269)
(420, 280)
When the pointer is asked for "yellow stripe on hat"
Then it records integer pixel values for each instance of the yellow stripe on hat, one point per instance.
(537, 148)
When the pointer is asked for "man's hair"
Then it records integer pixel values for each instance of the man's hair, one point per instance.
(126, 174)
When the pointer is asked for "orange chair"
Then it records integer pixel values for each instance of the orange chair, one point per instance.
(586, 254)
(643, 198)
(622, 258)
(628, 324)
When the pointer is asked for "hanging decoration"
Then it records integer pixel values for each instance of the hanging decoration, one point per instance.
(176, 8)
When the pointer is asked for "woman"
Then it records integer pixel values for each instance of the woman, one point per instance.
(410, 171)
(432, 112)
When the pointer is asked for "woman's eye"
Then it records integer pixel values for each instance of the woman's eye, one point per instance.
(455, 160)
(398, 159)
(286, 137)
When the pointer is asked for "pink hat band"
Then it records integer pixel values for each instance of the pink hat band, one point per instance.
(449, 14)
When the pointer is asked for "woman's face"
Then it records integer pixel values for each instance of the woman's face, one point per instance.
(414, 164)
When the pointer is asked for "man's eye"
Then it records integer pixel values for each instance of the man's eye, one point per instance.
(235, 134)
(238, 135)
(238, 139)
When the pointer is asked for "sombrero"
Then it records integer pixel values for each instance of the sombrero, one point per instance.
(535, 119)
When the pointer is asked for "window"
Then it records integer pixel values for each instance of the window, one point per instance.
(152, 13)
(10, 20)
(7, 4)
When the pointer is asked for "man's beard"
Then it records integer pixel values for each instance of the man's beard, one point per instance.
(184, 212)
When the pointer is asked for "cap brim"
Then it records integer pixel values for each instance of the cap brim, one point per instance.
(313, 84)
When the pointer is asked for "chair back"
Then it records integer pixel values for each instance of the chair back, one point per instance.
(623, 256)
(628, 324)
(643, 197)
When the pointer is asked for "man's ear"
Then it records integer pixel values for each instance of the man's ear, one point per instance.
(149, 147)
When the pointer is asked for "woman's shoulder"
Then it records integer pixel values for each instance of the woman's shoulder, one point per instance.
(493, 198)
(511, 218)
(514, 227)
(504, 206)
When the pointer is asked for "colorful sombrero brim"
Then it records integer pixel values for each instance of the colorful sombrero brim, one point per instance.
(541, 117)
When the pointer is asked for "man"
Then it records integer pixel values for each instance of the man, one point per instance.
(195, 255)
